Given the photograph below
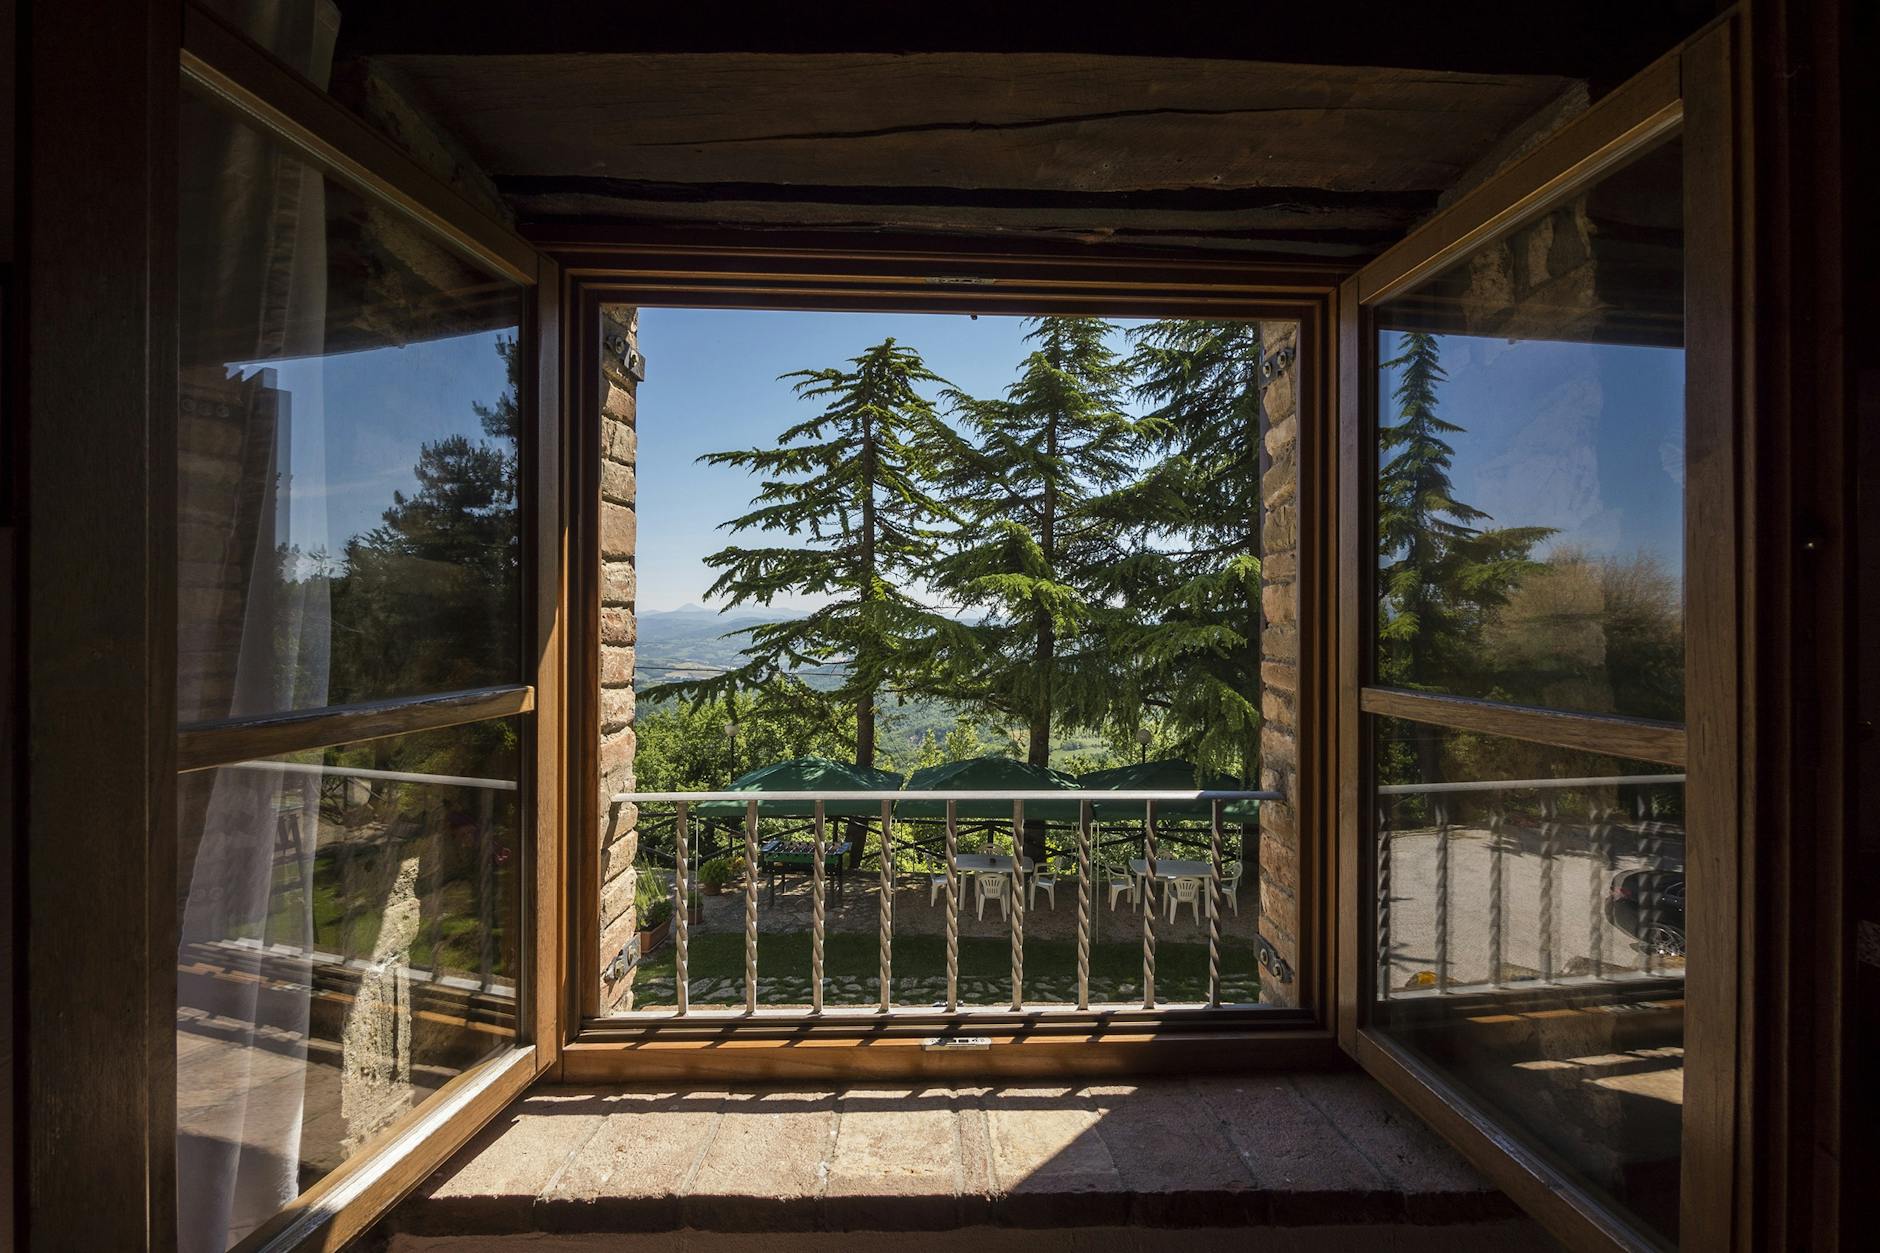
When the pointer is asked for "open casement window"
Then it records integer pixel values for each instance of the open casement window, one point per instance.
(1539, 839)
(893, 950)
(368, 537)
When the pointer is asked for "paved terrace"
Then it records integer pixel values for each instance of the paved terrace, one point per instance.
(1321, 1161)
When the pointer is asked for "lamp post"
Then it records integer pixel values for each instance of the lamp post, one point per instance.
(731, 734)
(1143, 736)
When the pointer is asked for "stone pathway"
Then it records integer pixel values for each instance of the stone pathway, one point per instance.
(912, 991)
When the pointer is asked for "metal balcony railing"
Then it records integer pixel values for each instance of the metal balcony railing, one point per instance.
(295, 847)
(1091, 807)
(1594, 836)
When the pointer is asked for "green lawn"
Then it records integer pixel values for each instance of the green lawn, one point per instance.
(850, 963)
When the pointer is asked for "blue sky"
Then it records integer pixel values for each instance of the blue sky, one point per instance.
(1585, 438)
(711, 384)
(359, 420)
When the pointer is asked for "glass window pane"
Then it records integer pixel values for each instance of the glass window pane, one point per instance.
(1531, 460)
(348, 525)
(1530, 943)
(350, 931)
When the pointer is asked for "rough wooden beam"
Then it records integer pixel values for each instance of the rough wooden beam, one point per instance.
(1041, 123)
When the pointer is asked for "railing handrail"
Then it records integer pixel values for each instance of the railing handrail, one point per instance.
(1093, 795)
(1520, 785)
(361, 772)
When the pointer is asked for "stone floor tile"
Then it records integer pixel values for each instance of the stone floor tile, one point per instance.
(637, 1164)
(1418, 1162)
(765, 1167)
(494, 1180)
(1304, 1166)
(1174, 1160)
(1050, 1166)
(896, 1161)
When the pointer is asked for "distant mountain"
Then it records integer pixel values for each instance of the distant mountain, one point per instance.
(693, 641)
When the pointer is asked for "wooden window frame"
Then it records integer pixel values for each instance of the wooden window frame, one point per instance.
(129, 506)
(1691, 92)
(602, 265)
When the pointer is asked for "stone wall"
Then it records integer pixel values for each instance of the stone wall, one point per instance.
(621, 371)
(1279, 666)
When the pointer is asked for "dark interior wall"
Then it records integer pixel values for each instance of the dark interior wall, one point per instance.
(1862, 1043)
(9, 604)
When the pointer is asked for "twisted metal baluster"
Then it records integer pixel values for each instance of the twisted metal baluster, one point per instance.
(486, 890)
(1383, 902)
(816, 916)
(1497, 820)
(1018, 905)
(1214, 906)
(1083, 905)
(750, 908)
(1652, 852)
(885, 924)
(1148, 908)
(953, 906)
(1442, 896)
(1550, 831)
(682, 913)
(1600, 837)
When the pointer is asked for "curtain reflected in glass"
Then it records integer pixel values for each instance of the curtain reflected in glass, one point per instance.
(348, 943)
(348, 531)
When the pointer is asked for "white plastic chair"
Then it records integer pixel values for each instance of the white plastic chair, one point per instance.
(992, 887)
(1230, 885)
(936, 884)
(1061, 868)
(1120, 883)
(1184, 892)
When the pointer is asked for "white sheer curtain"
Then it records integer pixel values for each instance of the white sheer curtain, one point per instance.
(260, 291)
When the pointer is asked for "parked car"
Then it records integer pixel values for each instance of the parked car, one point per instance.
(1657, 924)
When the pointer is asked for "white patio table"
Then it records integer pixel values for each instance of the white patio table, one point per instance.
(1170, 868)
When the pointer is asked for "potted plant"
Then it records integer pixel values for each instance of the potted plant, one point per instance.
(695, 908)
(654, 909)
(714, 875)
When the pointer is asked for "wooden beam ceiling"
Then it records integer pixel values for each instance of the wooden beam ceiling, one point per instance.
(1319, 160)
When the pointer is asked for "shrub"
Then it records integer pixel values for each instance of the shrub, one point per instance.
(658, 912)
(716, 873)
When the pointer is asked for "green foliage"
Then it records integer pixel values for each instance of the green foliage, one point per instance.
(1194, 583)
(1028, 478)
(1440, 576)
(432, 596)
(848, 489)
(682, 746)
(718, 871)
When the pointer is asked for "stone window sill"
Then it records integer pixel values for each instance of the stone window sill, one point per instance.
(1331, 1152)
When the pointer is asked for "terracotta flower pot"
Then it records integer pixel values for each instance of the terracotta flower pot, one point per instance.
(653, 937)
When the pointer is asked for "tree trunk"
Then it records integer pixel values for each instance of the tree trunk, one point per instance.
(1044, 657)
(857, 828)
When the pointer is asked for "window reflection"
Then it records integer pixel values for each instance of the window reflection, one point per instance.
(349, 942)
(1530, 941)
(1531, 461)
(348, 516)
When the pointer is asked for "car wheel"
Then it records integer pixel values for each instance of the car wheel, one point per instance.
(1665, 941)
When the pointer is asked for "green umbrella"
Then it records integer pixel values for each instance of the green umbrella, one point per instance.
(990, 774)
(805, 774)
(1169, 775)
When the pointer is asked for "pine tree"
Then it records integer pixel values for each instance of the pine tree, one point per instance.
(1440, 574)
(1192, 650)
(847, 491)
(1026, 478)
